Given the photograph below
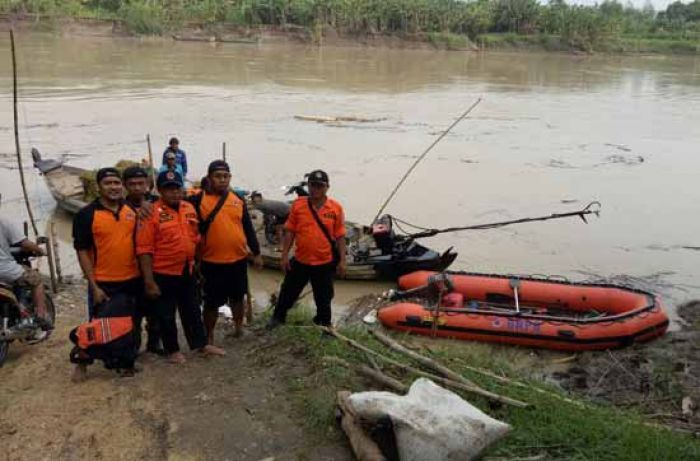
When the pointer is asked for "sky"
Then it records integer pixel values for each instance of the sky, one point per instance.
(657, 4)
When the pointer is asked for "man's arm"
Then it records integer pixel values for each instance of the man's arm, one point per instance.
(250, 235)
(151, 287)
(287, 242)
(184, 164)
(145, 246)
(83, 243)
(30, 247)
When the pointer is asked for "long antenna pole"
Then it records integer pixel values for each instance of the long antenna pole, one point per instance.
(19, 155)
(422, 156)
(150, 159)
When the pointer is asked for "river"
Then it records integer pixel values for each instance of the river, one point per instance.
(552, 133)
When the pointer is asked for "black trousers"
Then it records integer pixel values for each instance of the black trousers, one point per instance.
(178, 292)
(321, 278)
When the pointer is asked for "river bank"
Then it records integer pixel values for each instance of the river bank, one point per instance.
(330, 36)
(272, 397)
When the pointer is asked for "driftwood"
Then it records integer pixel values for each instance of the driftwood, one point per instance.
(438, 379)
(326, 119)
(425, 361)
(362, 445)
(384, 339)
(381, 378)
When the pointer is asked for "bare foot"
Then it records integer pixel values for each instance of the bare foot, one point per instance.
(212, 350)
(79, 374)
(177, 358)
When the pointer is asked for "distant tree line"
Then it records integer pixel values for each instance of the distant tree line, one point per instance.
(572, 23)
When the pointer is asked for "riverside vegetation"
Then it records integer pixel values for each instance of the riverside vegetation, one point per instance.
(452, 24)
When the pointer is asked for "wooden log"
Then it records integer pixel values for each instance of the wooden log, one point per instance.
(56, 256)
(446, 382)
(375, 375)
(362, 445)
(425, 361)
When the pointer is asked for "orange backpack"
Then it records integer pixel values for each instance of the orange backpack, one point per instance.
(103, 331)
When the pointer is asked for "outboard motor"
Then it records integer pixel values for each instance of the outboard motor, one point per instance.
(383, 233)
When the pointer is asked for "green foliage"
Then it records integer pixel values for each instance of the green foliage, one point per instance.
(602, 26)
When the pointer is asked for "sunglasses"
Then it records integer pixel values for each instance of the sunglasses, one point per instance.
(317, 184)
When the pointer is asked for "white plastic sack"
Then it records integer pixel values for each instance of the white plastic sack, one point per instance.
(431, 423)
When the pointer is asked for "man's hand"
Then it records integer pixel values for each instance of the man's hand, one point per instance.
(146, 210)
(341, 270)
(284, 263)
(258, 262)
(98, 295)
(152, 289)
(39, 252)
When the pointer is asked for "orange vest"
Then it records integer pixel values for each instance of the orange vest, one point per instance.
(225, 241)
(170, 236)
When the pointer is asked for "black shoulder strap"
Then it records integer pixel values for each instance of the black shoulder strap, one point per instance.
(204, 224)
(327, 234)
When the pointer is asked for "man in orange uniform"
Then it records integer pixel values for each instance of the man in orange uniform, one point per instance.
(103, 237)
(228, 238)
(317, 225)
(165, 245)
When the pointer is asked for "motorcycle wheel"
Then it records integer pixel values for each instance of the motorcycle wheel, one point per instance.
(51, 309)
(4, 346)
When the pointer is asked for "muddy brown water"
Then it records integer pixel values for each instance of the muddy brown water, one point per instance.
(553, 133)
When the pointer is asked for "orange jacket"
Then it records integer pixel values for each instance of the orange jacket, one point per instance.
(312, 247)
(171, 236)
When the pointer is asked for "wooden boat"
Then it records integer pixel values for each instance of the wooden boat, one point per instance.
(543, 313)
(365, 260)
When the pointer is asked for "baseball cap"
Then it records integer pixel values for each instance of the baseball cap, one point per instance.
(170, 154)
(169, 178)
(317, 176)
(134, 172)
(218, 165)
(109, 172)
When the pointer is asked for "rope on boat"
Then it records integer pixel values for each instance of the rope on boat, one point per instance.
(591, 208)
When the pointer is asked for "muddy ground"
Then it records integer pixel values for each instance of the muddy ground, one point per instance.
(660, 379)
(231, 408)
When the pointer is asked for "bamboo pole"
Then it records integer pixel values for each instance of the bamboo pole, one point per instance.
(446, 382)
(150, 159)
(19, 155)
(49, 256)
(425, 361)
(376, 375)
(223, 151)
(56, 256)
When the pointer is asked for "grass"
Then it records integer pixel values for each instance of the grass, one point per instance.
(449, 41)
(560, 430)
(621, 44)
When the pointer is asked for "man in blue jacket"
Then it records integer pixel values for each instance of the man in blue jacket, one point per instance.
(180, 156)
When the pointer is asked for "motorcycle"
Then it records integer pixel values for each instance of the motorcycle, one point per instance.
(18, 320)
(275, 212)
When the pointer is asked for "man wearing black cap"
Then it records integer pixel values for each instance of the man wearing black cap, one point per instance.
(316, 226)
(228, 240)
(103, 237)
(138, 196)
(165, 245)
(136, 181)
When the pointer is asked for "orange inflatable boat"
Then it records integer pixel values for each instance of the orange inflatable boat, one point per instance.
(525, 311)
